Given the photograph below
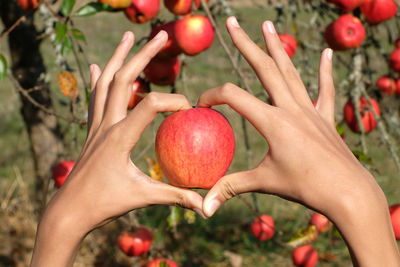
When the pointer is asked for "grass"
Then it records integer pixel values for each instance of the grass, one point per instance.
(202, 243)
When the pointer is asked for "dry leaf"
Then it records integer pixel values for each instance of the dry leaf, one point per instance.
(304, 237)
(154, 169)
(68, 84)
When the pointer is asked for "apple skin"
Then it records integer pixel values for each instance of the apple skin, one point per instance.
(139, 89)
(395, 217)
(117, 4)
(181, 7)
(194, 34)
(28, 5)
(398, 87)
(136, 243)
(394, 60)
(61, 172)
(195, 147)
(376, 11)
(163, 71)
(386, 85)
(157, 263)
(263, 228)
(171, 48)
(346, 5)
(367, 117)
(305, 256)
(141, 11)
(345, 33)
(321, 222)
(289, 44)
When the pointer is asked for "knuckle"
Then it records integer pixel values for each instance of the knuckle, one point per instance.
(228, 190)
(227, 89)
(152, 100)
(118, 76)
(180, 200)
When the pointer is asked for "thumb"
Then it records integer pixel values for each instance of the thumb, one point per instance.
(229, 186)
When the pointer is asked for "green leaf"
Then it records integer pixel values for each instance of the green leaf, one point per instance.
(78, 35)
(362, 157)
(61, 32)
(174, 217)
(340, 129)
(67, 6)
(91, 9)
(66, 46)
(3, 67)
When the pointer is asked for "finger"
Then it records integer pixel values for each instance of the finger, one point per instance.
(258, 113)
(263, 65)
(121, 90)
(95, 73)
(284, 64)
(326, 97)
(105, 79)
(144, 113)
(164, 194)
(227, 187)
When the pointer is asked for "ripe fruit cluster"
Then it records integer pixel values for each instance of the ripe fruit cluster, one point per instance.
(347, 31)
(386, 83)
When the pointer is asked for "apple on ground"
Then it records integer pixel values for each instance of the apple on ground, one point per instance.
(141, 11)
(136, 243)
(158, 263)
(321, 222)
(288, 43)
(305, 256)
(61, 172)
(171, 48)
(194, 34)
(394, 60)
(263, 227)
(181, 7)
(139, 89)
(386, 85)
(376, 11)
(163, 71)
(395, 216)
(28, 5)
(195, 147)
(367, 115)
(345, 33)
(346, 5)
(116, 4)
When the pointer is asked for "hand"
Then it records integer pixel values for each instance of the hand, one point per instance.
(104, 183)
(307, 161)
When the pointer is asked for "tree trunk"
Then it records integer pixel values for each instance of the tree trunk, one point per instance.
(28, 69)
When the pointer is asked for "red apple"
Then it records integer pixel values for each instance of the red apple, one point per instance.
(194, 34)
(136, 243)
(394, 60)
(159, 261)
(386, 85)
(346, 5)
(141, 11)
(321, 222)
(61, 172)
(28, 5)
(345, 33)
(395, 216)
(376, 11)
(139, 89)
(367, 115)
(171, 49)
(163, 71)
(117, 4)
(195, 147)
(181, 7)
(398, 87)
(305, 256)
(289, 44)
(263, 228)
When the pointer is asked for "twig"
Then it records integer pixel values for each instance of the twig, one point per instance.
(7, 32)
(85, 83)
(225, 47)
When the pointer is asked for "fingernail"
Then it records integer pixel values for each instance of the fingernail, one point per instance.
(200, 213)
(159, 35)
(234, 22)
(91, 67)
(125, 37)
(329, 53)
(270, 27)
(213, 206)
